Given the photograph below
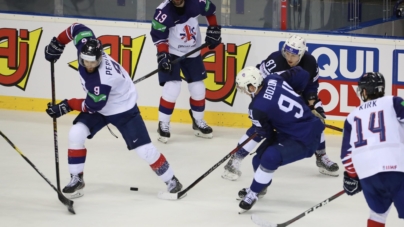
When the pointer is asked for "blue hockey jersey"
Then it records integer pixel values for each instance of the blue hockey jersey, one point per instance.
(275, 62)
(277, 106)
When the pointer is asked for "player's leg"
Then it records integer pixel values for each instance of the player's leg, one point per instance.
(324, 164)
(280, 153)
(194, 72)
(232, 168)
(256, 163)
(84, 126)
(398, 193)
(131, 125)
(377, 190)
(171, 83)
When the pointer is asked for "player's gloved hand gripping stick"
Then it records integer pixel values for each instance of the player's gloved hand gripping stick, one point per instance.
(173, 62)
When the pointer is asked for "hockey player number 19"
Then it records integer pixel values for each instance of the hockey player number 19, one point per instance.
(162, 18)
(381, 129)
(289, 101)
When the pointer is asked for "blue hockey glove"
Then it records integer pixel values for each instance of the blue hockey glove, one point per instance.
(261, 132)
(213, 36)
(59, 109)
(164, 61)
(54, 50)
(351, 185)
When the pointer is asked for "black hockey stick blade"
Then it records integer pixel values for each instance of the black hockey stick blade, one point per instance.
(334, 128)
(175, 196)
(264, 223)
(174, 62)
(68, 203)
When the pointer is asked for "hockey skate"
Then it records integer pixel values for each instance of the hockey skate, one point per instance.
(174, 185)
(249, 200)
(232, 169)
(243, 192)
(75, 188)
(326, 166)
(201, 129)
(164, 131)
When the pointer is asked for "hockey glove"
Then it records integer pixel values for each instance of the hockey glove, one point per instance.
(54, 50)
(59, 109)
(318, 111)
(213, 36)
(352, 185)
(164, 60)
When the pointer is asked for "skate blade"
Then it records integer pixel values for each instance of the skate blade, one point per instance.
(74, 195)
(328, 173)
(163, 139)
(229, 176)
(170, 196)
(200, 134)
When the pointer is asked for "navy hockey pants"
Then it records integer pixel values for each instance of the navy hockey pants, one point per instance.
(129, 123)
(383, 189)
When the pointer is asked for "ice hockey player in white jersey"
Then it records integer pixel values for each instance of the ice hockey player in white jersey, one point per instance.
(111, 99)
(175, 32)
(373, 149)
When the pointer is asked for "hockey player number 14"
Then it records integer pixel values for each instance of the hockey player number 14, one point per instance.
(380, 129)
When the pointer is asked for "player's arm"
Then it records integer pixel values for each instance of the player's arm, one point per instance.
(75, 32)
(160, 31)
(260, 121)
(351, 181)
(398, 104)
(346, 150)
(214, 31)
(267, 66)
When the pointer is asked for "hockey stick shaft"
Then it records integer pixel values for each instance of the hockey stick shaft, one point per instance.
(62, 198)
(55, 127)
(325, 202)
(334, 128)
(180, 194)
(174, 62)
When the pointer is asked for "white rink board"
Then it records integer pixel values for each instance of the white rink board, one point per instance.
(340, 52)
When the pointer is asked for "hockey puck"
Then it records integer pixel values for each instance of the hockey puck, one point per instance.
(134, 189)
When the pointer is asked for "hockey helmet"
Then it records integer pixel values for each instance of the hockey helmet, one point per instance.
(295, 45)
(92, 52)
(249, 76)
(373, 83)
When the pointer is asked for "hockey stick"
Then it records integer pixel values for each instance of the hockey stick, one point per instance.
(179, 195)
(263, 223)
(174, 62)
(334, 128)
(62, 198)
(55, 126)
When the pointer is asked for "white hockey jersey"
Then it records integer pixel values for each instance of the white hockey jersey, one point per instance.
(373, 137)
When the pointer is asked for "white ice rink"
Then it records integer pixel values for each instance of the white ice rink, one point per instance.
(27, 200)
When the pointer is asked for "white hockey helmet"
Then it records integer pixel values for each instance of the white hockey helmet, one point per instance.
(294, 45)
(249, 76)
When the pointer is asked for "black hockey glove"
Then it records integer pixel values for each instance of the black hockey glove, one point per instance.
(351, 185)
(317, 110)
(54, 50)
(59, 109)
(213, 36)
(164, 60)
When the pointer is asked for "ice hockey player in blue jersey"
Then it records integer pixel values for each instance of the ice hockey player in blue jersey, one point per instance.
(175, 32)
(282, 118)
(373, 149)
(111, 99)
(293, 54)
